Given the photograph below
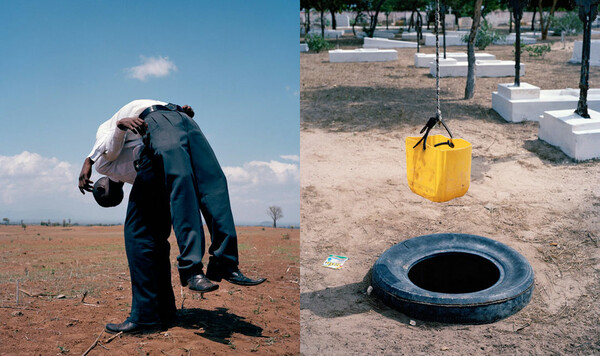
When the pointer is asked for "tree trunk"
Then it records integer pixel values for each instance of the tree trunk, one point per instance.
(333, 22)
(412, 21)
(322, 24)
(533, 19)
(545, 23)
(510, 21)
(307, 21)
(582, 107)
(274, 223)
(354, 23)
(470, 87)
(373, 23)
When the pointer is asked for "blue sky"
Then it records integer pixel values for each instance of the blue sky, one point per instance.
(67, 66)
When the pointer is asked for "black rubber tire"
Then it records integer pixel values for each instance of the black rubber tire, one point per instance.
(511, 292)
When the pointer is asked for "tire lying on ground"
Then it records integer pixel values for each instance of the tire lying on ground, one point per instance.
(453, 278)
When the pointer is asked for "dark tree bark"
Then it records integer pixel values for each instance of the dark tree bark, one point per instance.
(545, 25)
(333, 21)
(373, 20)
(322, 23)
(470, 87)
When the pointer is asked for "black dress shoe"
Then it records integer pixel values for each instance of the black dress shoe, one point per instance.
(129, 327)
(234, 276)
(200, 283)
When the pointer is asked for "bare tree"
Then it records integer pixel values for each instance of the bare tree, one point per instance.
(275, 213)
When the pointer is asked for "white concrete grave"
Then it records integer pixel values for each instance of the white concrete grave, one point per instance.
(303, 47)
(423, 60)
(385, 43)
(465, 22)
(378, 33)
(594, 53)
(328, 33)
(483, 68)
(450, 21)
(577, 137)
(342, 20)
(363, 55)
(528, 103)
(412, 36)
(512, 38)
(453, 38)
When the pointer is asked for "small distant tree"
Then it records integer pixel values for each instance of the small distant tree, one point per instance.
(275, 213)
(6, 221)
(23, 225)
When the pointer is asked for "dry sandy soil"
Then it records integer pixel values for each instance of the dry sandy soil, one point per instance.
(57, 266)
(356, 202)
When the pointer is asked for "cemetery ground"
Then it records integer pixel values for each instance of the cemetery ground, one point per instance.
(74, 280)
(356, 203)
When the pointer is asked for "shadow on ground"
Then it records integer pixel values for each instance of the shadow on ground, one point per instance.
(546, 152)
(216, 325)
(361, 108)
(348, 300)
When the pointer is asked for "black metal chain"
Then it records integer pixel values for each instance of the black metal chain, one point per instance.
(438, 114)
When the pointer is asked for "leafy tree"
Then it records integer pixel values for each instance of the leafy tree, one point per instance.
(335, 6)
(359, 7)
(6, 221)
(321, 7)
(306, 5)
(387, 8)
(414, 6)
(372, 8)
(316, 43)
(546, 19)
(275, 213)
(569, 24)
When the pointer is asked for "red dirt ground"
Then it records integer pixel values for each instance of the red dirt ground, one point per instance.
(60, 264)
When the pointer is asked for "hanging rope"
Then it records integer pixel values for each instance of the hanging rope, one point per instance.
(438, 114)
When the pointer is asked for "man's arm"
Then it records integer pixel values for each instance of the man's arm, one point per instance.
(84, 176)
(115, 144)
(135, 124)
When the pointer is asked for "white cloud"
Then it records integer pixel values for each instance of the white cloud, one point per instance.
(289, 90)
(260, 173)
(28, 175)
(152, 67)
(294, 158)
(257, 185)
(34, 188)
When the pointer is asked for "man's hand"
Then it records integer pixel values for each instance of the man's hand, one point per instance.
(84, 177)
(188, 110)
(135, 124)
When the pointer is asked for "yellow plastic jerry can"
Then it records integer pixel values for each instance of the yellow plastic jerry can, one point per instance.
(438, 173)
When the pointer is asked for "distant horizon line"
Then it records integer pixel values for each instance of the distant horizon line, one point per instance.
(113, 223)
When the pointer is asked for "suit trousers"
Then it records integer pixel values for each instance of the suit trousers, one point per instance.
(178, 177)
(194, 182)
(147, 229)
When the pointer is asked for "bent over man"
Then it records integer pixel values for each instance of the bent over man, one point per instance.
(177, 176)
